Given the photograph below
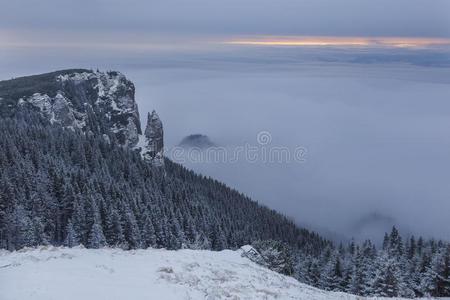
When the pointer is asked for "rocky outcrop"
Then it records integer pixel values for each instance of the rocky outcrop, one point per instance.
(110, 97)
(153, 149)
(95, 102)
(57, 109)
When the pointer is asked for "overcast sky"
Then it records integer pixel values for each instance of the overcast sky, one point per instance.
(138, 18)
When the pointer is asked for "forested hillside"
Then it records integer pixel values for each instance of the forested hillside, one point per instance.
(61, 186)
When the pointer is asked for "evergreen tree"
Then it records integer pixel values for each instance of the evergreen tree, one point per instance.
(276, 256)
(71, 239)
(148, 232)
(386, 282)
(332, 275)
(435, 281)
(96, 237)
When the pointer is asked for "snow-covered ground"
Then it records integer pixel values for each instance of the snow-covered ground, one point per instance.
(48, 273)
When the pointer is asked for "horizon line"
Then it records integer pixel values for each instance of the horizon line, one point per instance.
(339, 41)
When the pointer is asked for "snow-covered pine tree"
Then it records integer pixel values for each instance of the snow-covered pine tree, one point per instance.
(96, 236)
(276, 255)
(71, 239)
(148, 232)
(435, 281)
(386, 283)
(332, 274)
(114, 230)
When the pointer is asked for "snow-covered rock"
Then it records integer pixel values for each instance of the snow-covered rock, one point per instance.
(61, 273)
(81, 97)
(98, 103)
(154, 140)
(57, 109)
(252, 254)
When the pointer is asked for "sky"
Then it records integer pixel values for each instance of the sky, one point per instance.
(153, 21)
(362, 85)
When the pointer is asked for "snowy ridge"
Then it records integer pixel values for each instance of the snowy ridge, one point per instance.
(78, 273)
(75, 76)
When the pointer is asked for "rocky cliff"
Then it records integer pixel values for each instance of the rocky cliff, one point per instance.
(92, 101)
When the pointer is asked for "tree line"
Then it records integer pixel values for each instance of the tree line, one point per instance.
(407, 267)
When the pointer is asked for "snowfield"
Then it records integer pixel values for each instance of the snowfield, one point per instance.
(48, 273)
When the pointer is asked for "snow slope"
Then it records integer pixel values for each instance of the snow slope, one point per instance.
(48, 273)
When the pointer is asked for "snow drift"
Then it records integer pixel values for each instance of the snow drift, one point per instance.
(78, 273)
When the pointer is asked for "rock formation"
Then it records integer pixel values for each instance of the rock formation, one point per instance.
(154, 140)
(99, 103)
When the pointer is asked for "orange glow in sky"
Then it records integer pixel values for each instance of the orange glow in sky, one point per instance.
(318, 41)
